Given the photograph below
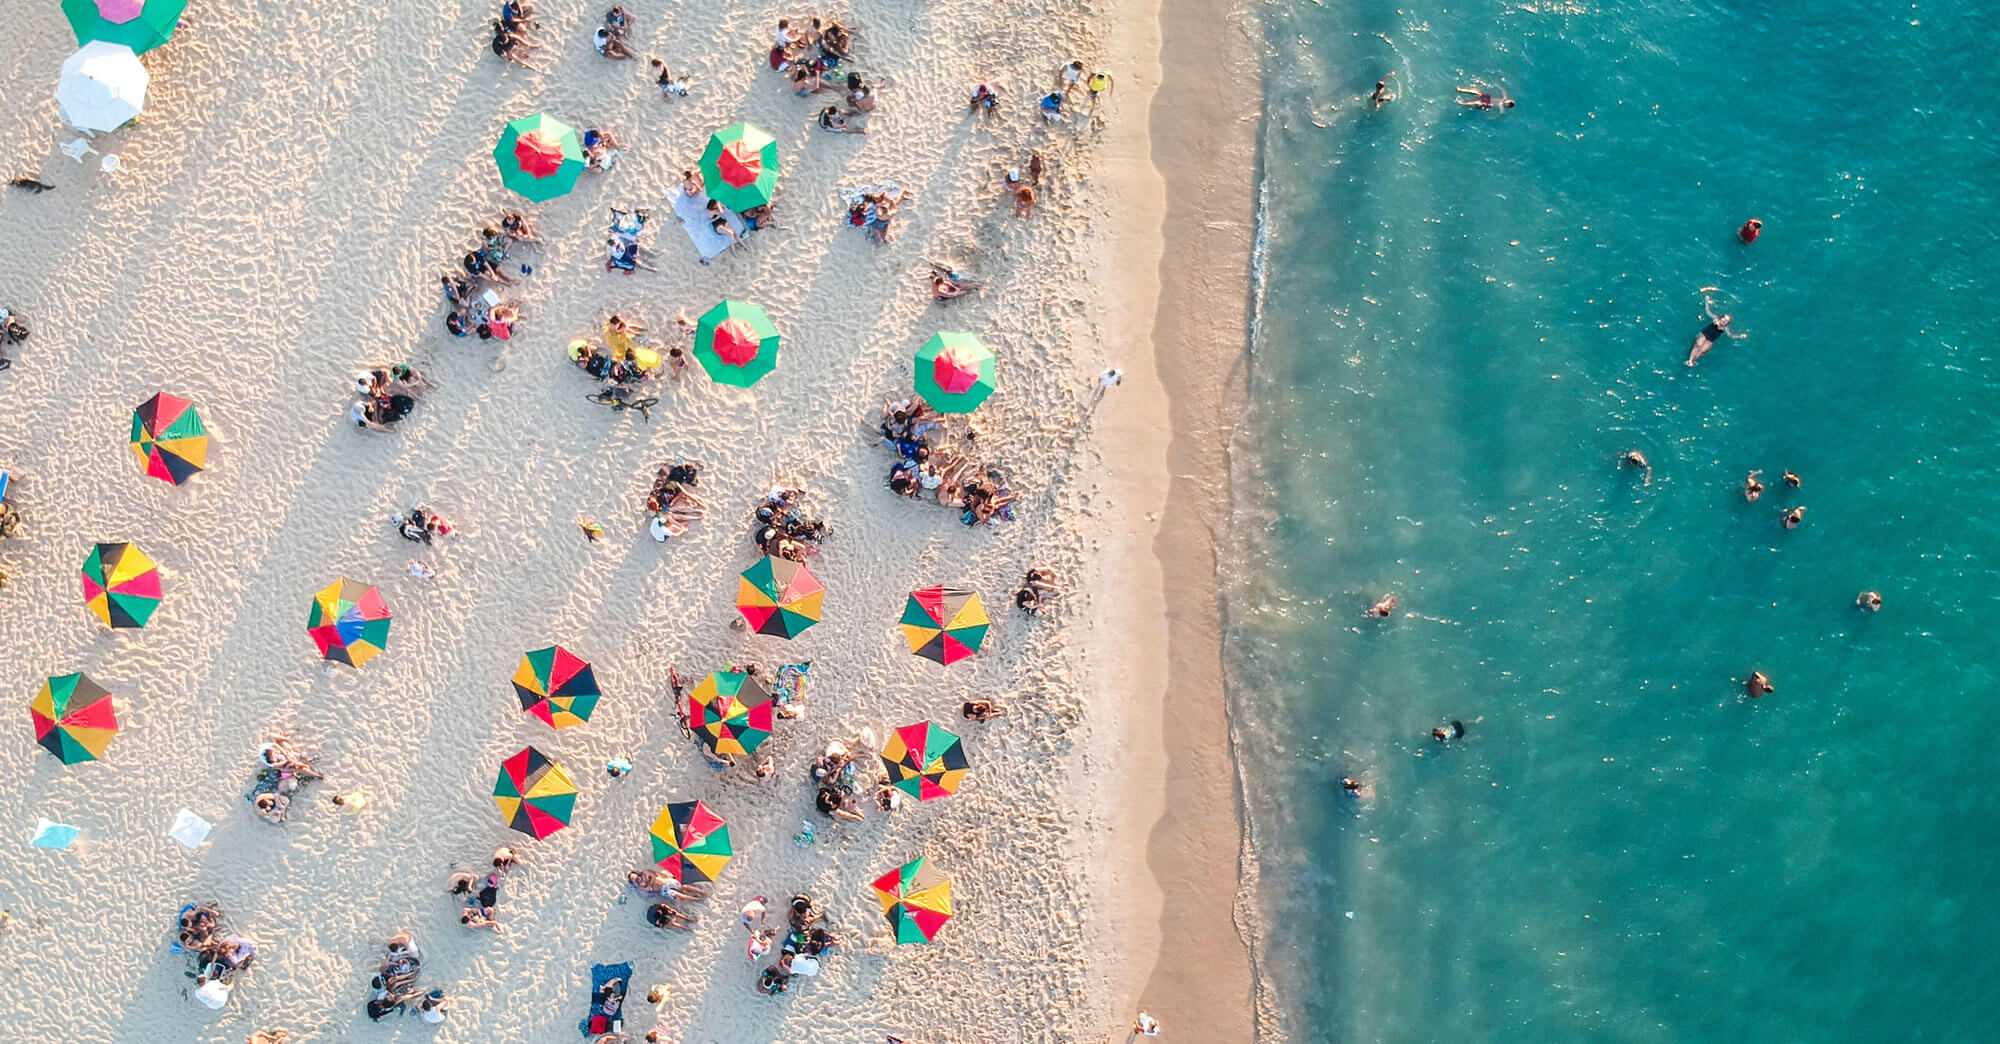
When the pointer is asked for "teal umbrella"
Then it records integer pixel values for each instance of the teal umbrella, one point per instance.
(539, 157)
(139, 24)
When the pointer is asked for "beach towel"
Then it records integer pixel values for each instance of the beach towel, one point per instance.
(693, 212)
(598, 1021)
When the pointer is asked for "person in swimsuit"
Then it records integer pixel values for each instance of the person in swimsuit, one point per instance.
(1636, 459)
(1869, 600)
(1442, 735)
(1482, 95)
(1793, 480)
(1758, 684)
(1751, 230)
(1383, 607)
(1380, 95)
(1752, 489)
(1794, 517)
(1716, 330)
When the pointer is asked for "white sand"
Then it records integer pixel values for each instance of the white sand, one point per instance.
(301, 177)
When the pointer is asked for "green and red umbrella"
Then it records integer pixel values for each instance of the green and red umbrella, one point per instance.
(168, 436)
(73, 718)
(556, 686)
(139, 24)
(944, 624)
(779, 596)
(534, 793)
(924, 761)
(916, 899)
(539, 157)
(740, 167)
(691, 842)
(736, 343)
(730, 711)
(121, 585)
(349, 622)
(954, 372)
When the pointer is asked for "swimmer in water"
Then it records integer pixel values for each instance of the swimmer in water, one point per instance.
(1758, 684)
(1383, 607)
(1482, 95)
(1441, 735)
(1636, 459)
(1380, 95)
(1869, 600)
(1794, 517)
(1351, 786)
(1752, 489)
(1751, 230)
(1793, 480)
(1716, 330)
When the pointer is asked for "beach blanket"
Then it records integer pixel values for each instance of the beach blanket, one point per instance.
(693, 212)
(599, 1021)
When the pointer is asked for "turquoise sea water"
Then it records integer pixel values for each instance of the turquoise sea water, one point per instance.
(1464, 318)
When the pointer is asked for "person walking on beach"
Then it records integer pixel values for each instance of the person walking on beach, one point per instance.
(1109, 379)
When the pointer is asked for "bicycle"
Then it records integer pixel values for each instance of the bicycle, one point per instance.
(615, 399)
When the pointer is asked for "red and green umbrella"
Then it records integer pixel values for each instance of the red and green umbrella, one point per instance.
(539, 157)
(121, 585)
(916, 899)
(556, 686)
(534, 793)
(348, 622)
(139, 24)
(779, 596)
(736, 343)
(730, 712)
(924, 761)
(690, 842)
(954, 372)
(169, 438)
(740, 167)
(73, 718)
(944, 624)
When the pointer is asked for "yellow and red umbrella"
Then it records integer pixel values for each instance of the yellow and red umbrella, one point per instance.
(349, 622)
(944, 624)
(924, 761)
(556, 686)
(730, 711)
(779, 596)
(916, 899)
(73, 718)
(690, 841)
(169, 438)
(534, 793)
(121, 585)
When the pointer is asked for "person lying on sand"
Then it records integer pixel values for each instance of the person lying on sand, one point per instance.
(981, 710)
(661, 915)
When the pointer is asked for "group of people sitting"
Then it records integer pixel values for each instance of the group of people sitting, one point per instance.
(622, 251)
(836, 776)
(949, 284)
(781, 528)
(873, 209)
(510, 33)
(385, 396)
(810, 55)
(218, 954)
(1021, 188)
(695, 187)
(609, 39)
(673, 502)
(654, 883)
(423, 525)
(394, 985)
(1038, 589)
(480, 893)
(807, 942)
(925, 465)
(283, 770)
(472, 302)
(627, 355)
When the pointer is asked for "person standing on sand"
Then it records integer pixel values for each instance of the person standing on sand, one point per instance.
(1146, 1025)
(1109, 379)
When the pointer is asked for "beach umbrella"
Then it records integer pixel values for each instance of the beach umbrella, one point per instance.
(539, 157)
(139, 24)
(121, 585)
(102, 87)
(944, 624)
(534, 793)
(169, 439)
(348, 622)
(740, 167)
(924, 761)
(730, 712)
(954, 372)
(73, 718)
(779, 596)
(916, 899)
(690, 841)
(736, 343)
(556, 686)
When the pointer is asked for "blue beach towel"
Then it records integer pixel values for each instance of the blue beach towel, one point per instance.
(599, 975)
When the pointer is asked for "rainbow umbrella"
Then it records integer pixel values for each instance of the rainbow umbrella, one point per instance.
(73, 718)
(139, 24)
(740, 167)
(557, 687)
(954, 372)
(534, 793)
(168, 436)
(730, 712)
(779, 596)
(944, 624)
(121, 585)
(539, 157)
(736, 344)
(348, 622)
(924, 761)
(916, 899)
(690, 841)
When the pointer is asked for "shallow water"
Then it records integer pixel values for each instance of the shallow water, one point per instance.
(1466, 317)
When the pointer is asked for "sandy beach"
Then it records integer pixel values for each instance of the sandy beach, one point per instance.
(279, 220)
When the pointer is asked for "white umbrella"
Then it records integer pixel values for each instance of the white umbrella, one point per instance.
(102, 86)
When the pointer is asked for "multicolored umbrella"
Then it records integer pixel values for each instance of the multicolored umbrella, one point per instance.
(73, 718)
(348, 622)
(736, 343)
(691, 842)
(944, 624)
(924, 761)
(954, 372)
(534, 793)
(121, 585)
(103, 86)
(139, 24)
(169, 438)
(556, 686)
(539, 157)
(916, 899)
(730, 712)
(779, 596)
(740, 167)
